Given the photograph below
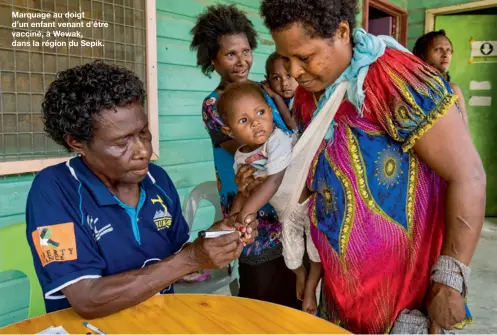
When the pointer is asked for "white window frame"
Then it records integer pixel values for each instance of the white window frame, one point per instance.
(35, 165)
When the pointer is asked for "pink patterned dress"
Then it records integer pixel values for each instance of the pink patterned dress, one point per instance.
(377, 210)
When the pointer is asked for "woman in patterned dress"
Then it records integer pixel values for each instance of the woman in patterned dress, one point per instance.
(398, 189)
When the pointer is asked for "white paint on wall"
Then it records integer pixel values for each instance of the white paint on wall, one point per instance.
(479, 85)
(480, 101)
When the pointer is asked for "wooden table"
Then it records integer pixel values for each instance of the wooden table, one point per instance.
(187, 313)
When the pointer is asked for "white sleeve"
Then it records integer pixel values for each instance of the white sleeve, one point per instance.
(279, 152)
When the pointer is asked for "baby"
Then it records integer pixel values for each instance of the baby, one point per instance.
(248, 119)
(281, 87)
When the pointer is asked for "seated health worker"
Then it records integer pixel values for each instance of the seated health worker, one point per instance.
(105, 228)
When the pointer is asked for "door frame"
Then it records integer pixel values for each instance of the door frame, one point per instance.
(399, 14)
(467, 7)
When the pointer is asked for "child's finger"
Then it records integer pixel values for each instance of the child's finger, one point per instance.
(250, 219)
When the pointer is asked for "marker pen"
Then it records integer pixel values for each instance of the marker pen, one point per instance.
(214, 233)
(92, 327)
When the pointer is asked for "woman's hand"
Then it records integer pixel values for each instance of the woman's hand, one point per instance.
(245, 180)
(268, 89)
(445, 307)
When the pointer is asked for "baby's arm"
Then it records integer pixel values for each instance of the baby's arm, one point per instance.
(237, 204)
(260, 196)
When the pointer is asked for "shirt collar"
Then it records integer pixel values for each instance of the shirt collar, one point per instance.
(80, 171)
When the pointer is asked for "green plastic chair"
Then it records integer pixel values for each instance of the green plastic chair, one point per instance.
(220, 278)
(15, 254)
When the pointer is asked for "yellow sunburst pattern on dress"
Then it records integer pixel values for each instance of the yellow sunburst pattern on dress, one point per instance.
(387, 167)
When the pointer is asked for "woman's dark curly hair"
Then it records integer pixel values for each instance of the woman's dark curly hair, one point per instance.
(217, 21)
(79, 94)
(423, 45)
(319, 17)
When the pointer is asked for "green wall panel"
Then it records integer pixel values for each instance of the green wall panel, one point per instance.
(181, 128)
(177, 103)
(191, 174)
(417, 15)
(13, 195)
(482, 120)
(14, 293)
(185, 151)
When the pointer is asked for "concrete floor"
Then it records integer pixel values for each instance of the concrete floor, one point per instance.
(482, 298)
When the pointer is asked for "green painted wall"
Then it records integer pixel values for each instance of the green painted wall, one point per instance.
(185, 147)
(14, 285)
(400, 3)
(482, 120)
(416, 18)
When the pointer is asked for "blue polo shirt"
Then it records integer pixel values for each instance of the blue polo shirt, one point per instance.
(78, 229)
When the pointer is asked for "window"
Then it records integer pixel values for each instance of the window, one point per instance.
(126, 31)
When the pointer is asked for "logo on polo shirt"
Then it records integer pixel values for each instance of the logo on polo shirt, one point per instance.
(55, 243)
(98, 233)
(162, 218)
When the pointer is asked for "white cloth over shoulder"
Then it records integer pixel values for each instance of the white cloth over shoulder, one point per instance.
(286, 198)
(271, 157)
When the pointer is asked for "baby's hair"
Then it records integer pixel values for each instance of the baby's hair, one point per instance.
(270, 60)
(234, 91)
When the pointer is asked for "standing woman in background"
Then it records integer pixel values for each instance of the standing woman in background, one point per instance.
(224, 38)
(436, 49)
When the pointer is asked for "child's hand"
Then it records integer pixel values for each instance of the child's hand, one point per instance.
(248, 230)
(268, 89)
(310, 303)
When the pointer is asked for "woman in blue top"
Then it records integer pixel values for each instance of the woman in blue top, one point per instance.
(105, 228)
(224, 39)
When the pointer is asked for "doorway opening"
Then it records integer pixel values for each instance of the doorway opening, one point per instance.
(383, 18)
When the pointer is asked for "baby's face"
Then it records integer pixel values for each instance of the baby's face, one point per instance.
(251, 120)
(281, 81)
